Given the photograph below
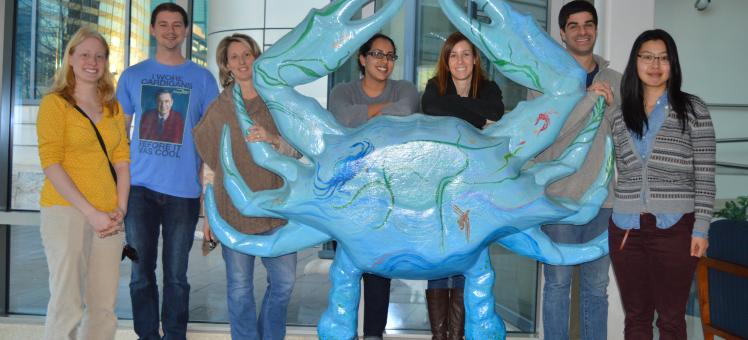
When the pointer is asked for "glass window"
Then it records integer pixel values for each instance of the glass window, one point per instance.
(142, 44)
(199, 50)
(44, 27)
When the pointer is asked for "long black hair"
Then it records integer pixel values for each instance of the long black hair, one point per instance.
(632, 91)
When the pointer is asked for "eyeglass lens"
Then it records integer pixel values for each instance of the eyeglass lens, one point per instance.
(382, 55)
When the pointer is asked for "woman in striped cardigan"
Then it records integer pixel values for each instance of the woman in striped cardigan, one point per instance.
(664, 191)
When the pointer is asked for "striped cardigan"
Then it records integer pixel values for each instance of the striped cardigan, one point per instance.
(679, 175)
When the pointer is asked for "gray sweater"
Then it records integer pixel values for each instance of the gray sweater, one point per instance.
(575, 185)
(350, 104)
(679, 174)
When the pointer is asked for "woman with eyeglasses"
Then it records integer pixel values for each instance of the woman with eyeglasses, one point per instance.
(664, 191)
(84, 151)
(353, 104)
(235, 56)
(459, 89)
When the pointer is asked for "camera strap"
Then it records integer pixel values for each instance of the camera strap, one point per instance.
(101, 143)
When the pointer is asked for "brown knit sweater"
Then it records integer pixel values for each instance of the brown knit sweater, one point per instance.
(207, 136)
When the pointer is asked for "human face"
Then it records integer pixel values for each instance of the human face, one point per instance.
(655, 74)
(240, 60)
(164, 102)
(169, 30)
(579, 34)
(378, 69)
(89, 61)
(461, 61)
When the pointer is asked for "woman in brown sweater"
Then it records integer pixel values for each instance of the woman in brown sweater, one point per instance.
(235, 56)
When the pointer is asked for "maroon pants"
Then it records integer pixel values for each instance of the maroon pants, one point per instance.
(654, 273)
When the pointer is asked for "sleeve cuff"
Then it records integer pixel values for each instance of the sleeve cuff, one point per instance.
(699, 234)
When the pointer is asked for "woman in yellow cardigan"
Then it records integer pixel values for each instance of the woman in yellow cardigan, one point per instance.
(82, 203)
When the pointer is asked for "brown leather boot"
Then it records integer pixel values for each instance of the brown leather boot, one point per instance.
(437, 301)
(456, 314)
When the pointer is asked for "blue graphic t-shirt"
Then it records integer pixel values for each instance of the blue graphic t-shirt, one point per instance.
(167, 102)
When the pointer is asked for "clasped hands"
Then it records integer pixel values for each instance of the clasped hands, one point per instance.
(107, 224)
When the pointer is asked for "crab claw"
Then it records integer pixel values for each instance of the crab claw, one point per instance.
(518, 47)
(323, 41)
(524, 53)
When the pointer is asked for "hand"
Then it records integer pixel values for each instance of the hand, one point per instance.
(602, 89)
(207, 233)
(102, 223)
(118, 215)
(374, 110)
(257, 133)
(698, 246)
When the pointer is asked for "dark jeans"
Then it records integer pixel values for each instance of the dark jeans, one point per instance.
(148, 210)
(376, 304)
(654, 272)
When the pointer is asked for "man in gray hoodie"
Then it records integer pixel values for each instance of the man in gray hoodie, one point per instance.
(578, 23)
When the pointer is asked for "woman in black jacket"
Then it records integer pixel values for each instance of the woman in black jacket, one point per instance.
(459, 89)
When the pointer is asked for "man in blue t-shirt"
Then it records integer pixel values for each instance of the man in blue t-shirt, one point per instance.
(162, 94)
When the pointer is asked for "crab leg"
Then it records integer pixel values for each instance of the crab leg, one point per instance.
(521, 51)
(251, 203)
(340, 318)
(534, 243)
(481, 320)
(570, 161)
(575, 154)
(288, 239)
(324, 40)
(589, 204)
(262, 153)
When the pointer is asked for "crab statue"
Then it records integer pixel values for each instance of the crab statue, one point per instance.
(415, 197)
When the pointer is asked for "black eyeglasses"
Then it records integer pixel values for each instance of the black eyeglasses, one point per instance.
(381, 55)
(651, 58)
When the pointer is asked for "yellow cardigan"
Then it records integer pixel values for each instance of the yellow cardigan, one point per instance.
(67, 138)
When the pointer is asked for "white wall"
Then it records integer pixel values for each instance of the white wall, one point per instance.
(712, 46)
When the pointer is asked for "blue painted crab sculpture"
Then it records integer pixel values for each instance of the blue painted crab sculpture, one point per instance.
(415, 197)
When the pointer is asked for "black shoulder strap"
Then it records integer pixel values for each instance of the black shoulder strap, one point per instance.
(101, 143)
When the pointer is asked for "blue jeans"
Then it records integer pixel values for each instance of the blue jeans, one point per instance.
(458, 281)
(593, 299)
(177, 217)
(281, 275)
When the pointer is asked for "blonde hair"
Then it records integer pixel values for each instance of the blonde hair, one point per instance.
(222, 55)
(64, 82)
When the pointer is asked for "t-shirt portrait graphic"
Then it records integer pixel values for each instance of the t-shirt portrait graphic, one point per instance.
(163, 113)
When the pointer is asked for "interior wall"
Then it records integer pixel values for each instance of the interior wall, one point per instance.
(712, 49)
